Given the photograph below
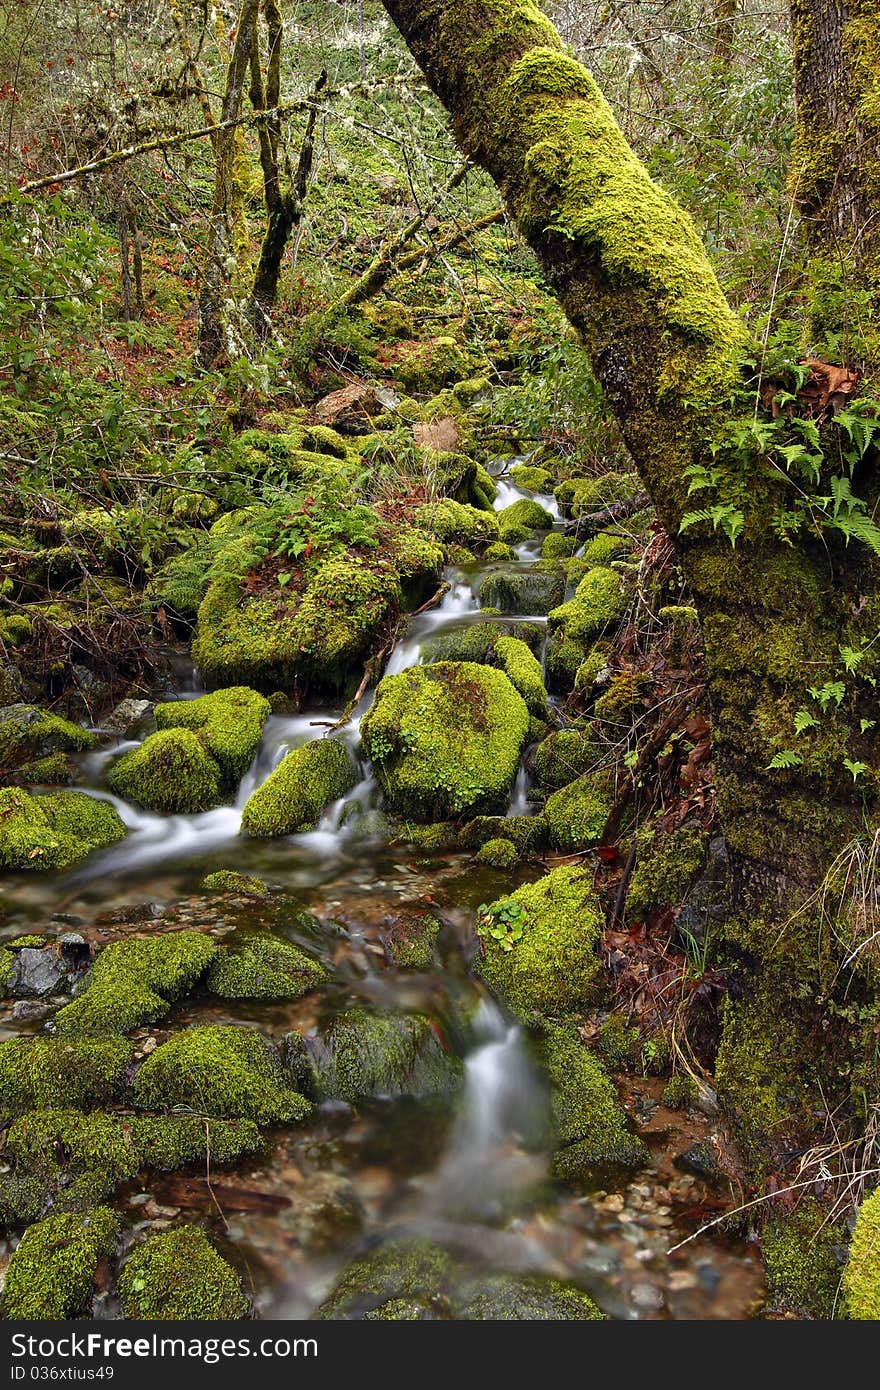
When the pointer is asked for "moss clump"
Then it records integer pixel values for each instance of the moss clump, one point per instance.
(294, 796)
(404, 1271)
(624, 696)
(861, 1279)
(590, 669)
(220, 1070)
(681, 624)
(499, 552)
(580, 496)
(446, 739)
(563, 756)
(558, 546)
(51, 1273)
(590, 1124)
(261, 966)
(54, 832)
(535, 1298)
(680, 1092)
(229, 881)
(599, 600)
(563, 658)
(526, 591)
(523, 670)
(666, 866)
(230, 723)
(74, 1072)
(604, 547)
(440, 835)
(476, 641)
(135, 982)
(527, 833)
(410, 940)
(516, 522)
(178, 1276)
(554, 966)
(172, 771)
(620, 1045)
(365, 1054)
(500, 854)
(577, 814)
(531, 478)
(800, 1261)
(28, 733)
(22, 1199)
(456, 521)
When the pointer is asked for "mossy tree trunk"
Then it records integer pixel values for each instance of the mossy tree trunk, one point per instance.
(835, 173)
(636, 283)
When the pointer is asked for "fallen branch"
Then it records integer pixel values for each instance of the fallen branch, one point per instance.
(615, 511)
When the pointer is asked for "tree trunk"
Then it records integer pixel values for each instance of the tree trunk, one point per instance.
(636, 283)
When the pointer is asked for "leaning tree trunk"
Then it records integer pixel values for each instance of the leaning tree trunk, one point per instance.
(636, 283)
(835, 175)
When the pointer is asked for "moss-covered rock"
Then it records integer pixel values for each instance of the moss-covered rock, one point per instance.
(604, 547)
(220, 1070)
(456, 521)
(56, 831)
(135, 982)
(362, 1054)
(410, 939)
(523, 670)
(666, 866)
(295, 794)
(172, 771)
(229, 881)
(563, 756)
(861, 1279)
(51, 1273)
(446, 739)
(28, 734)
(563, 658)
(406, 1278)
(599, 600)
(533, 1298)
(553, 966)
(499, 552)
(178, 1276)
(498, 853)
(557, 546)
(527, 833)
(576, 814)
(230, 723)
(525, 591)
(476, 641)
(591, 1127)
(516, 522)
(73, 1072)
(531, 478)
(258, 965)
(581, 496)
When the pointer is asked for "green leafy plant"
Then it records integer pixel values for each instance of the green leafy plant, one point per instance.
(502, 921)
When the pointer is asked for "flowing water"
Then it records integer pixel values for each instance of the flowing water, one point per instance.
(473, 1173)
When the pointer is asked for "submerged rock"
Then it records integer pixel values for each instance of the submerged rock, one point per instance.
(410, 940)
(54, 832)
(405, 1279)
(324, 1210)
(446, 739)
(179, 1276)
(362, 1054)
(295, 794)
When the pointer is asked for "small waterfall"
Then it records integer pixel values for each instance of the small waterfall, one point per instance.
(459, 602)
(519, 799)
(503, 1110)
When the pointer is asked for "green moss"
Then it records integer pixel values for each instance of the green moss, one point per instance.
(527, 833)
(554, 967)
(261, 966)
(498, 552)
(531, 477)
(456, 521)
(564, 755)
(620, 1045)
(531, 591)
(523, 670)
(220, 1070)
(38, 1072)
(179, 1276)
(416, 556)
(623, 698)
(861, 1279)
(171, 771)
(28, 733)
(604, 547)
(590, 669)
(22, 1199)
(403, 1270)
(54, 832)
(410, 940)
(559, 547)
(445, 739)
(563, 658)
(516, 522)
(580, 496)
(55, 770)
(681, 624)
(599, 600)
(533, 1298)
(680, 1092)
(440, 835)
(51, 1273)
(802, 1269)
(500, 854)
(363, 1054)
(295, 794)
(666, 866)
(576, 814)
(591, 1127)
(230, 723)
(134, 982)
(229, 881)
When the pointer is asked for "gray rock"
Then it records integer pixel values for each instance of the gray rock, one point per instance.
(37, 971)
(127, 715)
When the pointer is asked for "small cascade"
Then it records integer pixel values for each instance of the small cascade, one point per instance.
(458, 603)
(519, 798)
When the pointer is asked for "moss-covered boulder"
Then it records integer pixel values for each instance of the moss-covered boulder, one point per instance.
(666, 865)
(861, 1279)
(520, 519)
(172, 771)
(498, 854)
(563, 756)
(563, 659)
(258, 965)
(476, 641)
(446, 739)
(230, 881)
(533, 1298)
(576, 814)
(362, 1054)
(136, 981)
(546, 961)
(531, 478)
(51, 1272)
(230, 723)
(29, 734)
(591, 1127)
(295, 794)
(527, 833)
(178, 1276)
(523, 670)
(220, 1070)
(802, 1251)
(56, 831)
(598, 602)
(457, 522)
(521, 590)
(72, 1072)
(405, 1279)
